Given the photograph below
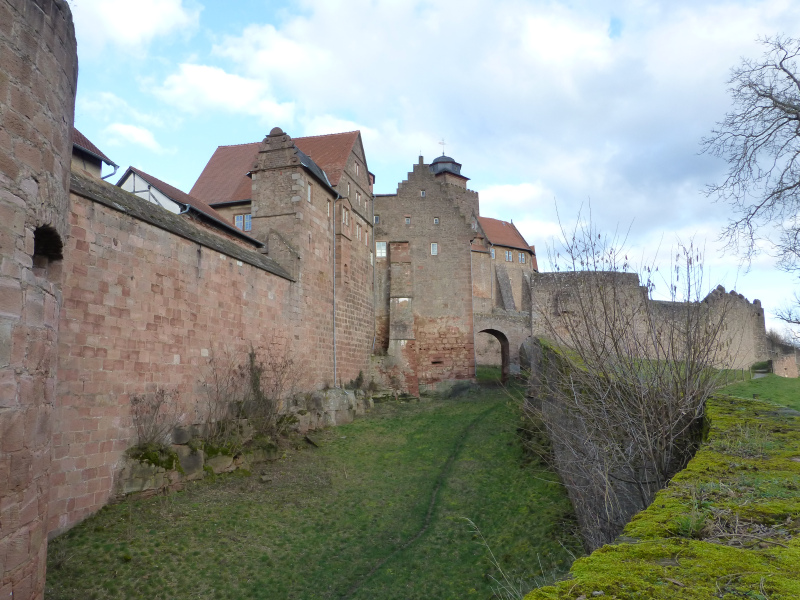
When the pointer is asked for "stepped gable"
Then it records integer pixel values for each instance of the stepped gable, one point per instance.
(225, 177)
(82, 142)
(503, 233)
(180, 197)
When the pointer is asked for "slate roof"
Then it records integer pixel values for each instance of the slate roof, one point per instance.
(180, 197)
(503, 233)
(125, 202)
(82, 142)
(225, 179)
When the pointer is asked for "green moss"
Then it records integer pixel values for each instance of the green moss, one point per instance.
(727, 526)
(156, 455)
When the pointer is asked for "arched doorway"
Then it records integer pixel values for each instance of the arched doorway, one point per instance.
(499, 338)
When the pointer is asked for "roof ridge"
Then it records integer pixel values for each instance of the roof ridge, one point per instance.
(305, 137)
(235, 145)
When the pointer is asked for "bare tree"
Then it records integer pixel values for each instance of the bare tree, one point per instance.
(622, 379)
(760, 140)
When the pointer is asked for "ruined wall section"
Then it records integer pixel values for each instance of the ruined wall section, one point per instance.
(742, 336)
(38, 75)
(145, 308)
(442, 286)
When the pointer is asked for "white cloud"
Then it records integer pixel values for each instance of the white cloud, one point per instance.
(128, 25)
(199, 88)
(121, 134)
(106, 106)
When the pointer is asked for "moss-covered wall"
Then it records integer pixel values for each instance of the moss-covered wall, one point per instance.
(726, 527)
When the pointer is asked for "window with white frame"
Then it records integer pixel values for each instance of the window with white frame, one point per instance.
(434, 249)
(408, 220)
(358, 198)
(357, 169)
(435, 220)
(329, 208)
(380, 249)
(509, 256)
(521, 258)
(422, 193)
(309, 192)
(243, 222)
(491, 251)
(348, 189)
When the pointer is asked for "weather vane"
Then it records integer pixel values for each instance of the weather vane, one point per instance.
(442, 144)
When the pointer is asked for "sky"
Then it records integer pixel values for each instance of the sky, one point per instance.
(554, 108)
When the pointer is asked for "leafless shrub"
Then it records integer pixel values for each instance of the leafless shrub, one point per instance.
(270, 377)
(154, 416)
(223, 381)
(622, 383)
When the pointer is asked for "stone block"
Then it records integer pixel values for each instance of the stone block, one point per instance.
(181, 435)
(191, 462)
(221, 463)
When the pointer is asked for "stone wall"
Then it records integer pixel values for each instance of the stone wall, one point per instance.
(38, 75)
(146, 306)
(430, 294)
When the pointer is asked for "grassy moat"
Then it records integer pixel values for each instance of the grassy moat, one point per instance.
(376, 511)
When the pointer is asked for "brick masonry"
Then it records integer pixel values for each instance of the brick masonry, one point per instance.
(38, 75)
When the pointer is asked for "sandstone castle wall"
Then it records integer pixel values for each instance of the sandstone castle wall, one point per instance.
(38, 75)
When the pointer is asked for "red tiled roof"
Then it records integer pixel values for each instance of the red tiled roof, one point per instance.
(224, 178)
(180, 197)
(503, 233)
(82, 142)
(330, 152)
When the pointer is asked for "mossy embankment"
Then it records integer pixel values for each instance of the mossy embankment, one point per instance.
(727, 526)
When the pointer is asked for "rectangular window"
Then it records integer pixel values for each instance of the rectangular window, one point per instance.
(358, 198)
(509, 256)
(380, 249)
(376, 219)
(348, 189)
(422, 193)
(345, 216)
(357, 169)
(242, 222)
(358, 231)
(329, 208)
(491, 251)
(309, 192)
(366, 238)
(434, 249)
(408, 220)
(435, 220)
(522, 258)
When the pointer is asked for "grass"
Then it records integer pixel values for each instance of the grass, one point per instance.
(376, 511)
(727, 526)
(781, 390)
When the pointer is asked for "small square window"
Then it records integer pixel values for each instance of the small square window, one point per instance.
(491, 251)
(376, 219)
(380, 249)
(434, 249)
(422, 193)
(521, 258)
(408, 220)
(435, 220)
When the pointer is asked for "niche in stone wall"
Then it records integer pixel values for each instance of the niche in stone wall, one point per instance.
(47, 250)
